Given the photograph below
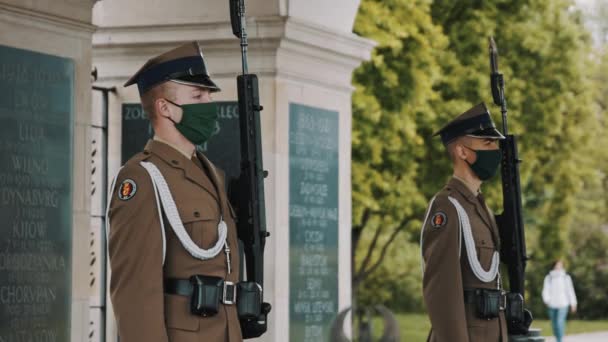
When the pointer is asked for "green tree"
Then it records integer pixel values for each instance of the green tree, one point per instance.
(550, 101)
(391, 104)
(587, 263)
(434, 65)
(588, 257)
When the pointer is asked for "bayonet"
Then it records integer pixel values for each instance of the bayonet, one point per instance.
(497, 84)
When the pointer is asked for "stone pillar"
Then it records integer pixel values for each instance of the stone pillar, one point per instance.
(304, 53)
(45, 68)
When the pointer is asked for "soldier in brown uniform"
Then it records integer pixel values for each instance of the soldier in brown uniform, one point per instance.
(172, 234)
(460, 239)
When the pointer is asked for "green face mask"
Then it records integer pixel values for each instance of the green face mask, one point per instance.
(199, 121)
(486, 164)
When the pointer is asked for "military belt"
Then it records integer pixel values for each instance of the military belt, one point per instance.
(470, 297)
(487, 302)
(185, 287)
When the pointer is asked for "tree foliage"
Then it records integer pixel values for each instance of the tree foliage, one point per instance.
(431, 64)
(391, 106)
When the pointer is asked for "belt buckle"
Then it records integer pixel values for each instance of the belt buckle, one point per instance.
(232, 300)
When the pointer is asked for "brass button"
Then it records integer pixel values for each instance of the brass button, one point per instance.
(197, 214)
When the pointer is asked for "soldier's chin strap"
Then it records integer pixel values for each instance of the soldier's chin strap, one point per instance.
(464, 227)
(161, 189)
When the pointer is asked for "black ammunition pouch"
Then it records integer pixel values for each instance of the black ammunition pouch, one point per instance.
(488, 302)
(515, 307)
(249, 300)
(252, 311)
(206, 293)
(518, 318)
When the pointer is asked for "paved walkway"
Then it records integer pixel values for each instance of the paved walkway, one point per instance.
(591, 337)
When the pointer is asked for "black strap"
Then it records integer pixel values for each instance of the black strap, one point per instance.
(183, 287)
(470, 297)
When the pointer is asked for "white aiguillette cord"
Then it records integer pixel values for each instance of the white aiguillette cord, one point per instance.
(465, 231)
(162, 190)
(469, 243)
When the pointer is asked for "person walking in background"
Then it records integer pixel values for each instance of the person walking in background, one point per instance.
(558, 295)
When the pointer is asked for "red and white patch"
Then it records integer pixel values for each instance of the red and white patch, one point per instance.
(127, 189)
(439, 220)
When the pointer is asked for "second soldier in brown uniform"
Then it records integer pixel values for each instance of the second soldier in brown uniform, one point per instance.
(460, 240)
(172, 234)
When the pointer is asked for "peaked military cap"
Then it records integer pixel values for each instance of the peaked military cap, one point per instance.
(475, 122)
(185, 64)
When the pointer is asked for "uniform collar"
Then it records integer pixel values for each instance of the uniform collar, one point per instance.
(470, 186)
(159, 139)
(483, 211)
(178, 160)
(461, 186)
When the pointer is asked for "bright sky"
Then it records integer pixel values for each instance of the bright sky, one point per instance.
(591, 18)
(585, 3)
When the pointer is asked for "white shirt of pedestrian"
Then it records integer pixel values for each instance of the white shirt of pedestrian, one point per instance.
(558, 290)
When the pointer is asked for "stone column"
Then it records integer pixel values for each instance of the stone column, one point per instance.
(304, 53)
(45, 68)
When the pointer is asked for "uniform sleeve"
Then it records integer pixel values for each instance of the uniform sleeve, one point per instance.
(442, 280)
(136, 259)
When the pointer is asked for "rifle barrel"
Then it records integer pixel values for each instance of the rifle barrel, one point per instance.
(244, 42)
(493, 56)
(498, 85)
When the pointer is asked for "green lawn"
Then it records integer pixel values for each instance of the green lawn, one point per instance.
(415, 327)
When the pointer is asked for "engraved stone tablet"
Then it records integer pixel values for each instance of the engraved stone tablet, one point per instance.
(313, 222)
(36, 115)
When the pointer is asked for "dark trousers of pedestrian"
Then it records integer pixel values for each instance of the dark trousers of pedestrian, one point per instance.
(558, 321)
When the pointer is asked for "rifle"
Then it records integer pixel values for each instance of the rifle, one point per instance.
(249, 190)
(510, 222)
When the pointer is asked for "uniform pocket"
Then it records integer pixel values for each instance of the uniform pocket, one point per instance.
(485, 255)
(177, 314)
(201, 223)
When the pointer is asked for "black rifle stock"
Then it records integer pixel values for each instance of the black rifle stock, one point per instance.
(248, 192)
(510, 222)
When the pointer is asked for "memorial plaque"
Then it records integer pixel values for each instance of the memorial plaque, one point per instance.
(136, 130)
(313, 222)
(36, 106)
(223, 148)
